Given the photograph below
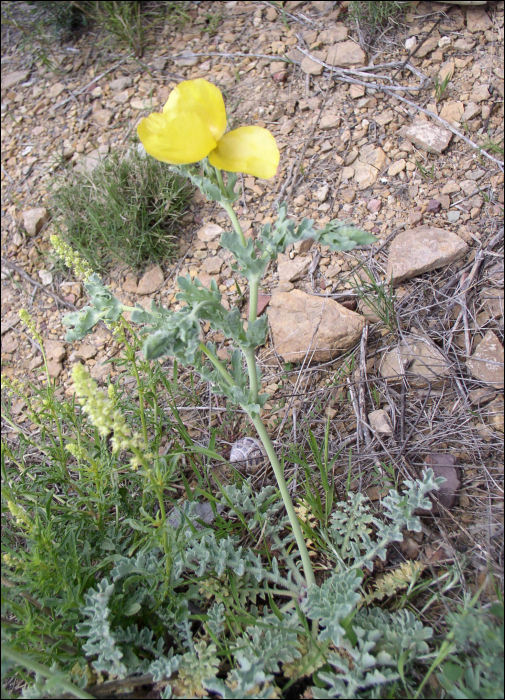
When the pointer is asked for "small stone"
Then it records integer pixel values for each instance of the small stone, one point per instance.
(330, 121)
(271, 14)
(102, 117)
(287, 127)
(451, 187)
(346, 53)
(396, 168)
(151, 281)
(385, 118)
(34, 219)
(263, 302)
(303, 246)
(91, 160)
(374, 206)
(54, 350)
(55, 91)
(452, 112)
(469, 187)
(280, 76)
(446, 69)
(495, 414)
(130, 284)
(85, 352)
(277, 66)
(472, 110)
(453, 216)
(209, 232)
(411, 43)
(212, 265)
(348, 195)
(443, 465)
(475, 174)
(310, 67)
(444, 200)
(333, 271)
(292, 270)
(422, 249)
(427, 136)
(486, 363)
(186, 58)
(419, 359)
(9, 342)
(356, 91)
(433, 207)
(12, 79)
(121, 84)
(159, 63)
(294, 318)
(427, 46)
(347, 173)
(480, 93)
(481, 397)
(477, 20)
(333, 35)
(54, 369)
(415, 217)
(37, 362)
(46, 277)
(379, 421)
(322, 193)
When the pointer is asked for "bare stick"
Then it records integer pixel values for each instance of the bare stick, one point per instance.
(29, 279)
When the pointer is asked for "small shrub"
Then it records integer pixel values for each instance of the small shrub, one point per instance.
(127, 210)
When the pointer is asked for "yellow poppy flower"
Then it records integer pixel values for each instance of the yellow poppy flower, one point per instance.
(191, 127)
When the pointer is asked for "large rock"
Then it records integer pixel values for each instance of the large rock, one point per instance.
(295, 317)
(334, 34)
(422, 249)
(419, 359)
(477, 20)
(427, 136)
(486, 363)
(346, 53)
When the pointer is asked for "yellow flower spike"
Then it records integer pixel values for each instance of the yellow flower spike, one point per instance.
(191, 127)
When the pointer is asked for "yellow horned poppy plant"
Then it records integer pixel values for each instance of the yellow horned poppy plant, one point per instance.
(191, 127)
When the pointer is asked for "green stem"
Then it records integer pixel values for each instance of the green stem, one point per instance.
(218, 365)
(300, 541)
(234, 220)
(253, 300)
(253, 374)
(28, 663)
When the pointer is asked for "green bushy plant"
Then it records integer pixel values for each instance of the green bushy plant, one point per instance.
(127, 210)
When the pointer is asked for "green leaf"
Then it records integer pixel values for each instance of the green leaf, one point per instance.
(83, 322)
(250, 265)
(341, 236)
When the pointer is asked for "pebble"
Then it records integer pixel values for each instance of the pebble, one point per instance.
(453, 216)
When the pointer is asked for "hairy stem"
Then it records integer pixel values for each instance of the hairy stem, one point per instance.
(217, 364)
(300, 541)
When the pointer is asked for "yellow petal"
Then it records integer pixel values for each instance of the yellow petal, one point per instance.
(249, 149)
(184, 139)
(202, 98)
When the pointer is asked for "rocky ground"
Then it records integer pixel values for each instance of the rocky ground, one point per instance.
(365, 136)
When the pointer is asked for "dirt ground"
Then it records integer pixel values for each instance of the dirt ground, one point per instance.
(344, 154)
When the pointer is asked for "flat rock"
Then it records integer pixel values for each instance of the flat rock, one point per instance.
(54, 350)
(34, 219)
(367, 168)
(54, 369)
(151, 280)
(446, 69)
(85, 352)
(102, 117)
(333, 35)
(417, 357)
(209, 232)
(55, 91)
(310, 67)
(477, 20)
(472, 110)
(303, 323)
(422, 249)
(186, 58)
(330, 120)
(486, 363)
(292, 270)
(452, 112)
(495, 414)
(427, 46)
(480, 93)
(346, 53)
(397, 167)
(379, 421)
(427, 136)
(12, 79)
(10, 342)
(121, 84)
(212, 265)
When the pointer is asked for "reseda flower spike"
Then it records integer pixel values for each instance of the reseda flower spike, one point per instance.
(191, 129)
